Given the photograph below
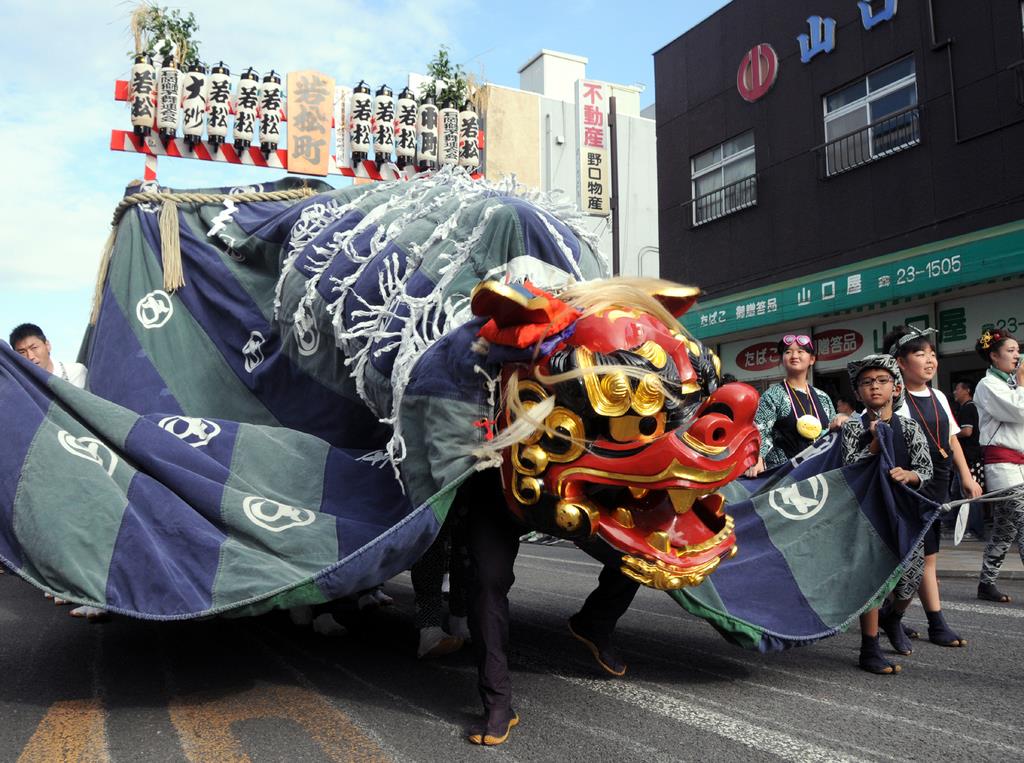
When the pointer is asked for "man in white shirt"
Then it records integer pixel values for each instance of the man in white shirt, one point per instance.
(29, 341)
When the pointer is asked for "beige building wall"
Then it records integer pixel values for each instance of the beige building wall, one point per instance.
(511, 124)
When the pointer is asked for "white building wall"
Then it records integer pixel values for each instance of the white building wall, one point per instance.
(638, 182)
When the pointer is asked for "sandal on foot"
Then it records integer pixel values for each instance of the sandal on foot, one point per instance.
(872, 660)
(940, 633)
(435, 642)
(494, 731)
(606, 657)
(989, 592)
(891, 622)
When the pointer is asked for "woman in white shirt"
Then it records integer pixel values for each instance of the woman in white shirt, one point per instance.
(1000, 401)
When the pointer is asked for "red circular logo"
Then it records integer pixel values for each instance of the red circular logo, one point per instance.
(757, 72)
(758, 357)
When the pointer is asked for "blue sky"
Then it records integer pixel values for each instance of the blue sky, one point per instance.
(61, 181)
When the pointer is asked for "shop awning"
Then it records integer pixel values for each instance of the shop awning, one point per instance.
(960, 261)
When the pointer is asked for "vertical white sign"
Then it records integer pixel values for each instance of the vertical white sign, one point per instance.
(595, 176)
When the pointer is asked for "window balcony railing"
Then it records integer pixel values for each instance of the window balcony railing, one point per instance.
(726, 200)
(872, 142)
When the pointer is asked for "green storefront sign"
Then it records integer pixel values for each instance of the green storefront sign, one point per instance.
(955, 262)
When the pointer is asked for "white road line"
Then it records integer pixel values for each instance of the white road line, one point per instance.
(596, 565)
(708, 721)
(841, 686)
(981, 609)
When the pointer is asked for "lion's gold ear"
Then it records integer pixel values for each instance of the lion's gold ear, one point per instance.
(676, 299)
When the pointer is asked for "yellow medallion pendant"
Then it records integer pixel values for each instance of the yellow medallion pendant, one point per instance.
(808, 427)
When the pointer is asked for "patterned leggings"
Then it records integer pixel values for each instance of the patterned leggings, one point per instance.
(1007, 527)
(906, 589)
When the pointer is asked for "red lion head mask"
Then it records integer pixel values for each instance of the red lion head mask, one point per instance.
(617, 428)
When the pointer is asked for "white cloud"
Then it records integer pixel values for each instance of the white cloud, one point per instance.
(61, 182)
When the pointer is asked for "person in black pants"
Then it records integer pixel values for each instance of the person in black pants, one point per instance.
(492, 542)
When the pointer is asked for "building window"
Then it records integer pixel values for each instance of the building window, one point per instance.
(724, 179)
(872, 118)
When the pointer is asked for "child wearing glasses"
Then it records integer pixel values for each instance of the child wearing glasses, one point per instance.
(914, 350)
(877, 382)
(792, 414)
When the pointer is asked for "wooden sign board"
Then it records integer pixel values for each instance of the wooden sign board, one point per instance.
(310, 110)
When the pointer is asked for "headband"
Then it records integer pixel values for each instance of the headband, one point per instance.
(915, 333)
(884, 362)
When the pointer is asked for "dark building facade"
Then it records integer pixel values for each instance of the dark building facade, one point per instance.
(834, 167)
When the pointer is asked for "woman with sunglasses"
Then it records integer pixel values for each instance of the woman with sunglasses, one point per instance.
(792, 414)
(914, 350)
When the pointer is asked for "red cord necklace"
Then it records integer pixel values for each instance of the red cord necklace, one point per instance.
(924, 424)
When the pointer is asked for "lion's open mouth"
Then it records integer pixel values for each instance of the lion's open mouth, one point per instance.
(679, 527)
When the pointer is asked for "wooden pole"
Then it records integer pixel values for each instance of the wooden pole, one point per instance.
(614, 200)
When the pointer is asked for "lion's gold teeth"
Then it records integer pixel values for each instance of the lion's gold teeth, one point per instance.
(664, 577)
(733, 551)
(659, 540)
(624, 517)
(682, 500)
(639, 492)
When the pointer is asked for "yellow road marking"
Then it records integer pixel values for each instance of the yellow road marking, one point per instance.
(71, 730)
(204, 723)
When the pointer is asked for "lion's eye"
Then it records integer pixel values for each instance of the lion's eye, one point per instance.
(633, 428)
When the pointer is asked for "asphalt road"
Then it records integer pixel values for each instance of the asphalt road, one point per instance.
(262, 689)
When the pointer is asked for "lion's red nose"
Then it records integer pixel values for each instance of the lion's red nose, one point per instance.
(727, 413)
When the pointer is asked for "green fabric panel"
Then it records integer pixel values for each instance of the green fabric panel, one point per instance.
(326, 364)
(134, 272)
(438, 443)
(263, 467)
(308, 594)
(58, 483)
(112, 422)
(839, 524)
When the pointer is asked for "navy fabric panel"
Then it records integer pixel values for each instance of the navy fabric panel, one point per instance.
(24, 401)
(419, 285)
(198, 475)
(537, 239)
(761, 574)
(341, 266)
(221, 306)
(366, 285)
(899, 514)
(271, 217)
(166, 556)
(364, 496)
(254, 220)
(446, 369)
(308, 257)
(379, 561)
(121, 369)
